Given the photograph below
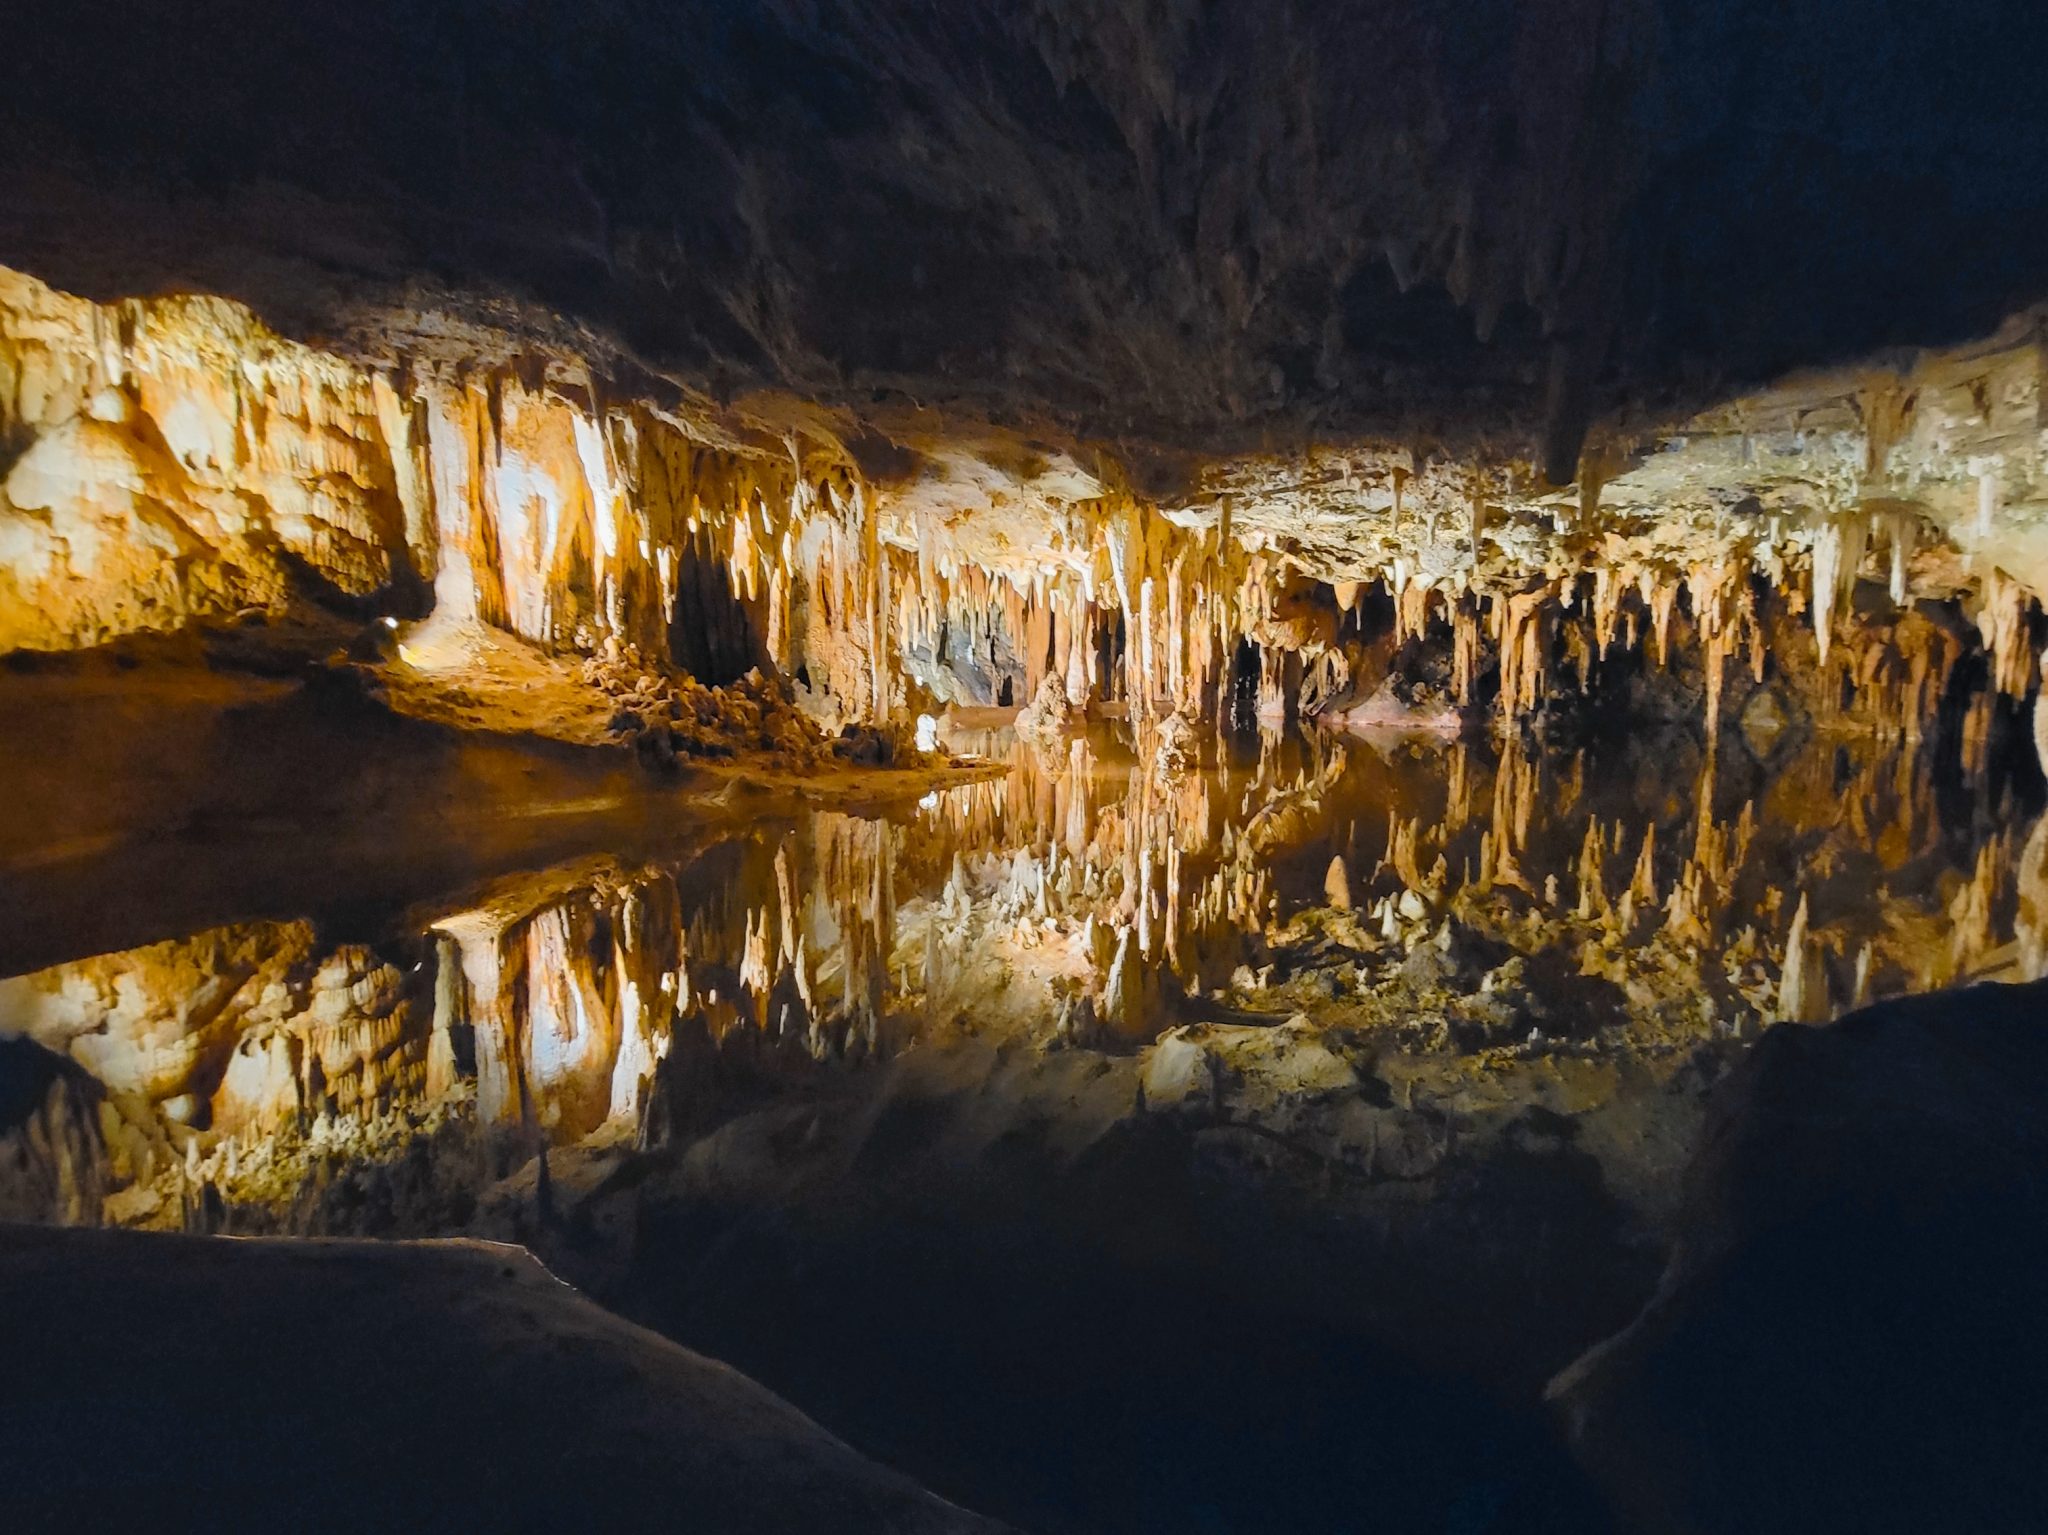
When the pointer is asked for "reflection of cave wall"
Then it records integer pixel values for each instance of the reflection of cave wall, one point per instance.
(52, 1166)
(548, 1005)
(224, 1078)
(198, 1050)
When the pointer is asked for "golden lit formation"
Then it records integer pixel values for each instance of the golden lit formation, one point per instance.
(1817, 607)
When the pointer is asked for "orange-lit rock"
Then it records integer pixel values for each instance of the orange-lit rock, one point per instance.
(176, 464)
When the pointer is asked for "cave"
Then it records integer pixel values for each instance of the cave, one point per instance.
(855, 765)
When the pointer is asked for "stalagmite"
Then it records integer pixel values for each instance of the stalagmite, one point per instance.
(1643, 885)
(1337, 885)
(1801, 996)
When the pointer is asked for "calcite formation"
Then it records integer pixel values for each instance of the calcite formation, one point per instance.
(171, 462)
(1854, 559)
(208, 1049)
(175, 465)
(1149, 603)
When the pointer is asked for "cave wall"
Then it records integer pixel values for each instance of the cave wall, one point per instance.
(173, 464)
(170, 461)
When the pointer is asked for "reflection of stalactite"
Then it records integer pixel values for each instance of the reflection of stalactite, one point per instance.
(561, 1001)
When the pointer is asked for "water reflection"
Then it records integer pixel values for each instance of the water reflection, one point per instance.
(1084, 898)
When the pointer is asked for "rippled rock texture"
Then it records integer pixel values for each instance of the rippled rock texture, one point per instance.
(1165, 222)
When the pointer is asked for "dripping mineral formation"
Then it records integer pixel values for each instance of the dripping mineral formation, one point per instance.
(1860, 548)
(1145, 746)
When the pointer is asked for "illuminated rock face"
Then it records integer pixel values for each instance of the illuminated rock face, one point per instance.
(174, 464)
(170, 462)
(1094, 343)
(1857, 558)
(209, 1047)
(239, 1028)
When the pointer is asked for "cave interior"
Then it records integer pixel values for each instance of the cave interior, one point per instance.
(1131, 765)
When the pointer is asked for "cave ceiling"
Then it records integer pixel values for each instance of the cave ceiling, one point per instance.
(1173, 228)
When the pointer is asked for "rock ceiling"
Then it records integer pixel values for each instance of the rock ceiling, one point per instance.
(1174, 224)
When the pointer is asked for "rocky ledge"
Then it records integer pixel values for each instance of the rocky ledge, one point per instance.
(184, 1383)
(1850, 1333)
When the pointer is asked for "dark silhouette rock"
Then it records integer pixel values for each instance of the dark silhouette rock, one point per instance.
(1852, 1334)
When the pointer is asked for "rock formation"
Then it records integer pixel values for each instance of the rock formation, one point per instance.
(457, 1352)
(1858, 537)
(1811, 1360)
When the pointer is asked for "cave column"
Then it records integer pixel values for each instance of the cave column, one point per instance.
(451, 469)
(871, 559)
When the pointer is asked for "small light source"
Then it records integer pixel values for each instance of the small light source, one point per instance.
(927, 733)
(390, 622)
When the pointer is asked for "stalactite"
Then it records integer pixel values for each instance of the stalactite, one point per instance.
(2004, 620)
(1717, 592)
(1838, 546)
(1464, 652)
(1521, 635)
(1662, 597)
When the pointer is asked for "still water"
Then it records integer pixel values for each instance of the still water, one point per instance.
(535, 982)
(1111, 1148)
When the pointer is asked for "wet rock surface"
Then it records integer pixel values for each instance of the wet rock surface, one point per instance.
(1183, 1335)
(1849, 1334)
